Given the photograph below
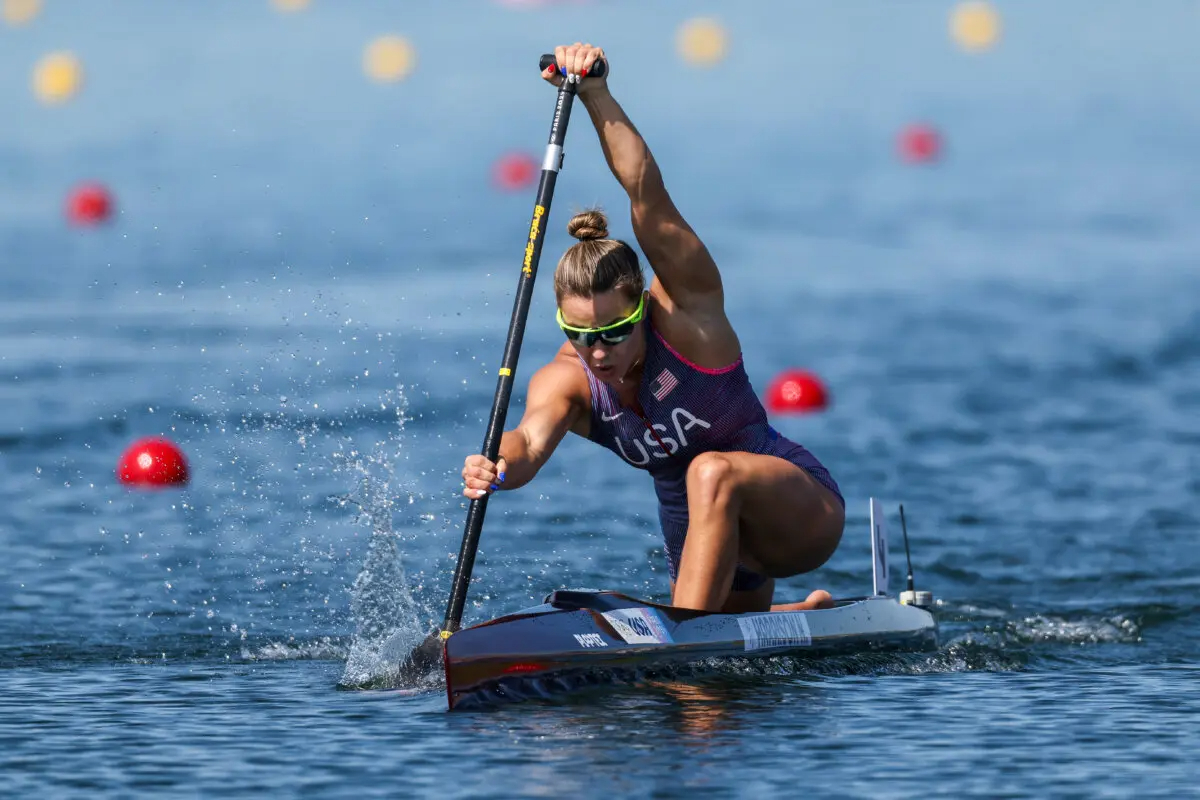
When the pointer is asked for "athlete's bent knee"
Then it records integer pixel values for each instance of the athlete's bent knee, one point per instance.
(711, 477)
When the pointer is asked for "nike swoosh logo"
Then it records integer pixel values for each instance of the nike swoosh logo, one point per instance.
(606, 418)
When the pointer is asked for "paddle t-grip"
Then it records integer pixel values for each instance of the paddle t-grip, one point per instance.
(597, 71)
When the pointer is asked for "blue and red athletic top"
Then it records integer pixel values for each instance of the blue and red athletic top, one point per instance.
(688, 410)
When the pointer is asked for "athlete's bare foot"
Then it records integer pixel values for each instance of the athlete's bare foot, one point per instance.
(817, 599)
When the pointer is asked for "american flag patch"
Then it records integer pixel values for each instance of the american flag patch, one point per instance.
(663, 384)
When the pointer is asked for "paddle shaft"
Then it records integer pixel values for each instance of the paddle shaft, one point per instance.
(551, 164)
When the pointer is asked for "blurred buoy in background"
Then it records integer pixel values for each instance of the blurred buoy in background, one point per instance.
(701, 42)
(19, 12)
(796, 391)
(89, 204)
(975, 26)
(153, 461)
(515, 171)
(919, 143)
(57, 77)
(389, 59)
(289, 5)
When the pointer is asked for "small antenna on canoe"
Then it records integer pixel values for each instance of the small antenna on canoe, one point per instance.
(912, 597)
(907, 557)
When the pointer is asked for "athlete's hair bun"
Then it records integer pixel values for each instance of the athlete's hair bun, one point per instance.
(587, 225)
(596, 263)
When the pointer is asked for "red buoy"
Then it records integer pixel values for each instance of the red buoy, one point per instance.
(796, 392)
(153, 461)
(89, 204)
(515, 171)
(919, 143)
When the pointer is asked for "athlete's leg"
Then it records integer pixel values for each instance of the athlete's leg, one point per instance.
(818, 598)
(762, 510)
(759, 599)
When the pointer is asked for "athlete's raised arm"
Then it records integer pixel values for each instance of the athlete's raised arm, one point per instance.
(680, 260)
(553, 406)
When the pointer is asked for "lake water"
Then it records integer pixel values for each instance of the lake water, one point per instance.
(307, 286)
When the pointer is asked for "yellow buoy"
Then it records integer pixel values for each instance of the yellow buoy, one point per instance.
(389, 58)
(975, 25)
(701, 42)
(18, 12)
(290, 5)
(57, 77)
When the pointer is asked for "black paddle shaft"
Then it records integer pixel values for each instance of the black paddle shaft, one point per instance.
(551, 164)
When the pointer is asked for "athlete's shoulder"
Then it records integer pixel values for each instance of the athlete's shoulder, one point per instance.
(562, 384)
(562, 375)
(701, 334)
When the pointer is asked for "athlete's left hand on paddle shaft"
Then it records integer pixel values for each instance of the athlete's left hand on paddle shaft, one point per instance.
(481, 476)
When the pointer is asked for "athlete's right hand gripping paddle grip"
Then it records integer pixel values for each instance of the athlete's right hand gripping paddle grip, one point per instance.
(597, 71)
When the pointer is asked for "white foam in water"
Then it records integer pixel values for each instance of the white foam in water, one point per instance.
(1107, 630)
(291, 650)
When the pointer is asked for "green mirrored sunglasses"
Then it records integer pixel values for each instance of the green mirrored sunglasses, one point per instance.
(609, 334)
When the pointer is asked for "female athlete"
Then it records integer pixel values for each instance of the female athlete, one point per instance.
(656, 375)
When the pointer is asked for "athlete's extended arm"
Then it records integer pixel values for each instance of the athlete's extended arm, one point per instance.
(680, 260)
(550, 411)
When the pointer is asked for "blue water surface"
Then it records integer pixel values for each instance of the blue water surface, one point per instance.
(307, 284)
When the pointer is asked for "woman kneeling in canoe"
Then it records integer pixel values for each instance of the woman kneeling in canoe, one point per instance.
(656, 376)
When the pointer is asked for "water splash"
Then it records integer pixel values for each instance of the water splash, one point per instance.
(388, 618)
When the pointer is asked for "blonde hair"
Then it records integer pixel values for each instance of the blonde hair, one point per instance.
(596, 264)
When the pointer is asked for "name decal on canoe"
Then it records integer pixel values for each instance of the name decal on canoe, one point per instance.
(639, 626)
(775, 629)
(590, 640)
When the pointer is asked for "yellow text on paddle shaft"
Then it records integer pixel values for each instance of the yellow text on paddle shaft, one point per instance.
(534, 227)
